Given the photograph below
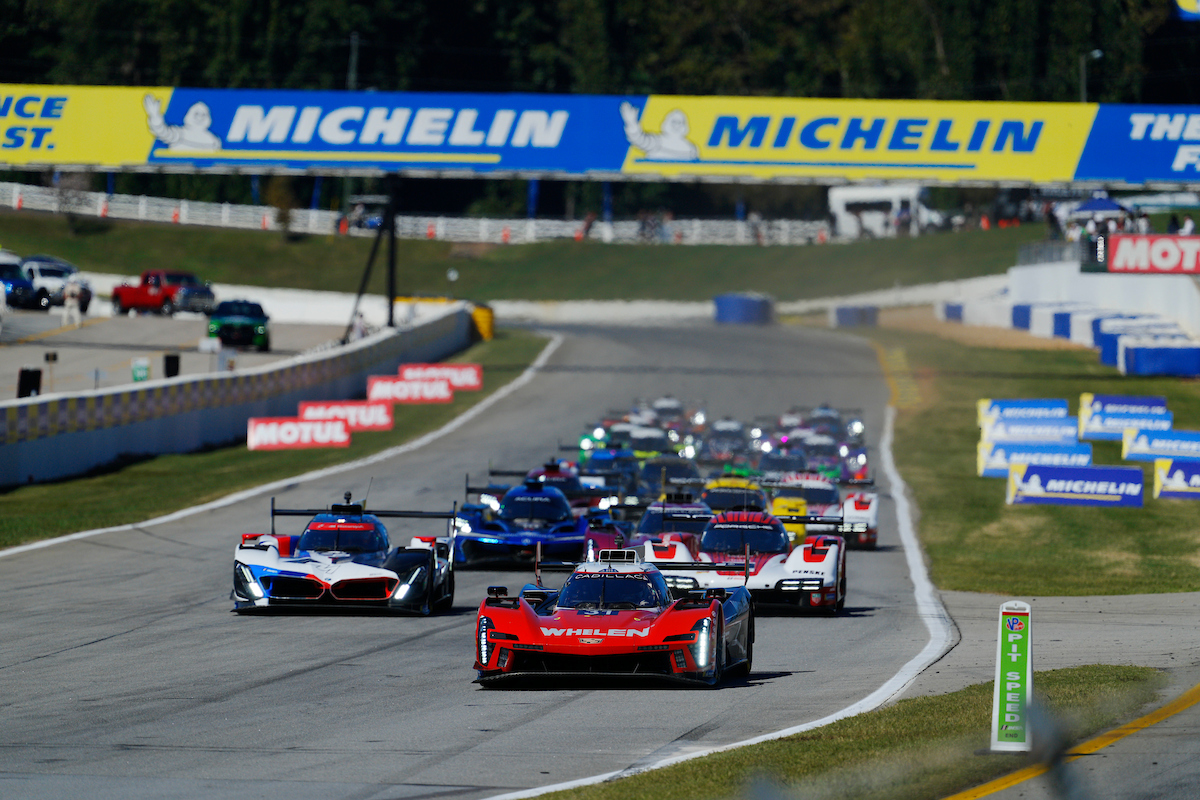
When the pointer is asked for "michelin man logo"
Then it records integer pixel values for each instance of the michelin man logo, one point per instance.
(1173, 481)
(193, 134)
(671, 144)
(1141, 443)
(1032, 486)
(998, 459)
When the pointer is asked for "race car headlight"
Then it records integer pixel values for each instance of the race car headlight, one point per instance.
(673, 435)
(261, 329)
(698, 418)
(681, 582)
(689, 452)
(766, 447)
(861, 458)
(756, 433)
(599, 434)
(702, 649)
(415, 578)
(461, 525)
(491, 501)
(481, 638)
(245, 582)
(585, 444)
(844, 451)
(855, 427)
(213, 327)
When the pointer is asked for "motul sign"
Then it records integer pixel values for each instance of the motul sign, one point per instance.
(360, 415)
(461, 376)
(395, 389)
(293, 433)
(1153, 253)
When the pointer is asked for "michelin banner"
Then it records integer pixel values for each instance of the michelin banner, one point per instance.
(1063, 430)
(1075, 486)
(1104, 417)
(591, 136)
(1150, 445)
(989, 410)
(993, 460)
(1178, 480)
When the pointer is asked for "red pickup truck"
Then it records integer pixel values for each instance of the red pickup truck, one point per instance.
(164, 291)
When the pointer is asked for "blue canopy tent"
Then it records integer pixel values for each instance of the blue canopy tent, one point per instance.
(1103, 207)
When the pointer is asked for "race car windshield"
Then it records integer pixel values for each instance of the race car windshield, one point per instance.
(822, 450)
(591, 590)
(725, 444)
(733, 538)
(725, 499)
(564, 483)
(342, 541)
(813, 494)
(780, 462)
(655, 521)
(679, 468)
(233, 308)
(542, 508)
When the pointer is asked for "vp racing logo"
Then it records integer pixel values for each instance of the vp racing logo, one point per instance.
(1014, 624)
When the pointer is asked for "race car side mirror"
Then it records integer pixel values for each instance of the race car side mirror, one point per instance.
(715, 594)
(497, 591)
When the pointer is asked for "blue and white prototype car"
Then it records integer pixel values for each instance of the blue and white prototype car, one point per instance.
(344, 558)
(510, 529)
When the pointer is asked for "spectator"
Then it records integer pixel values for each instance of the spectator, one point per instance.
(1188, 227)
(1074, 232)
(1143, 223)
(1092, 227)
(1173, 225)
(1112, 226)
(71, 313)
(1052, 224)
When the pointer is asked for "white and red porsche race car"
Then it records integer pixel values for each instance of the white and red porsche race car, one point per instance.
(811, 494)
(758, 553)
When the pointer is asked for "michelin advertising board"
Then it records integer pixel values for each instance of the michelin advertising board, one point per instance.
(990, 410)
(1149, 445)
(993, 460)
(1178, 480)
(1111, 487)
(592, 136)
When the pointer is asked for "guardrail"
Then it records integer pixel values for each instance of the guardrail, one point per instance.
(452, 229)
(57, 436)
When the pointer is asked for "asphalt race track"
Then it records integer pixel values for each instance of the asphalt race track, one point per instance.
(126, 675)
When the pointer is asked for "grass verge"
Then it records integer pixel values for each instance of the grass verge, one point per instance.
(163, 484)
(553, 270)
(918, 748)
(977, 543)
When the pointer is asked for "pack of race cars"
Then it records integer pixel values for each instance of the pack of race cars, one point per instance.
(672, 527)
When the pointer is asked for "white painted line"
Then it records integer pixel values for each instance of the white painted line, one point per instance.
(451, 426)
(929, 609)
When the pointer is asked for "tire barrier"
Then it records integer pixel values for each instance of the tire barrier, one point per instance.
(1154, 356)
(746, 308)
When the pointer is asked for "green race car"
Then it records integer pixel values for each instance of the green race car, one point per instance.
(240, 323)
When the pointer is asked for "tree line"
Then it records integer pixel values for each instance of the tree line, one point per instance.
(1015, 50)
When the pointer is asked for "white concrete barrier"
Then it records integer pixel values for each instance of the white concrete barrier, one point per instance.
(62, 435)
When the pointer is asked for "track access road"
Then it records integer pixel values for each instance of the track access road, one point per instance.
(126, 675)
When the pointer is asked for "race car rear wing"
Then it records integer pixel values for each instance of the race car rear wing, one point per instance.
(839, 523)
(663, 566)
(358, 508)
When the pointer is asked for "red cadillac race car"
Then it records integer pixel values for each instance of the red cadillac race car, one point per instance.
(614, 617)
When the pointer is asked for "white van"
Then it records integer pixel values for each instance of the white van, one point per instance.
(874, 210)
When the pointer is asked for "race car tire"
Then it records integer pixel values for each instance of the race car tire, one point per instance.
(167, 308)
(118, 310)
(841, 603)
(447, 602)
(42, 301)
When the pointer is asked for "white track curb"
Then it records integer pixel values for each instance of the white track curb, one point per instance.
(453, 425)
(929, 608)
